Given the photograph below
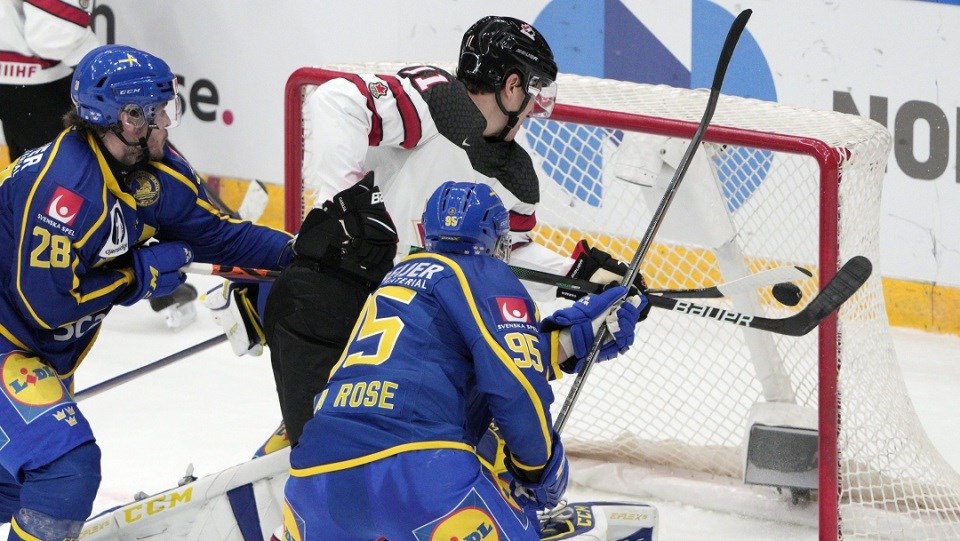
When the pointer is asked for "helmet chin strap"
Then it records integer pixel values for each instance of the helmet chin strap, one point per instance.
(513, 117)
(141, 143)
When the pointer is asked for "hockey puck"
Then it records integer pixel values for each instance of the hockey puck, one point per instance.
(787, 293)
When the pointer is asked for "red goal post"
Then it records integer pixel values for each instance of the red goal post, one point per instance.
(773, 185)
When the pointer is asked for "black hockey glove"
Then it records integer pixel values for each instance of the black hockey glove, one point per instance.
(370, 236)
(320, 238)
(599, 267)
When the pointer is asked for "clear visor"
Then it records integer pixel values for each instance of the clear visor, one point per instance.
(166, 114)
(503, 248)
(544, 94)
(169, 112)
(158, 115)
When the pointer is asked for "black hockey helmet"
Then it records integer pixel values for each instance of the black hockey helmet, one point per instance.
(494, 47)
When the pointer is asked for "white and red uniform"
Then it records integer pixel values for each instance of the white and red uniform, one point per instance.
(41, 40)
(417, 129)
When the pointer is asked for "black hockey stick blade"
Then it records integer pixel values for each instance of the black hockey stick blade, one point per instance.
(845, 283)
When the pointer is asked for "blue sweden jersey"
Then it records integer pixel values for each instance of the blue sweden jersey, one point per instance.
(67, 227)
(444, 344)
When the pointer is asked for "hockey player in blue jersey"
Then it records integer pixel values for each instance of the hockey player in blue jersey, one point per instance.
(449, 342)
(75, 218)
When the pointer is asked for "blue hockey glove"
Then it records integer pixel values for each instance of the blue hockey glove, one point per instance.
(546, 492)
(579, 324)
(156, 270)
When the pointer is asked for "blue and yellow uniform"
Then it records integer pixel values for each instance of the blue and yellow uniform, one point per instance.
(68, 226)
(446, 344)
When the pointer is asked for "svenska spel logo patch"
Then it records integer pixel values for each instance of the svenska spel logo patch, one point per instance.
(64, 206)
(513, 310)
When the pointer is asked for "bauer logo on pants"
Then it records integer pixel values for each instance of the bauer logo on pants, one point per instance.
(31, 386)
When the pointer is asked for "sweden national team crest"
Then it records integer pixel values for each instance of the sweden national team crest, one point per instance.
(146, 188)
(470, 520)
(31, 386)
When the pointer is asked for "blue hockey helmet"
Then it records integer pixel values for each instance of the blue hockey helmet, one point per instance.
(466, 218)
(115, 78)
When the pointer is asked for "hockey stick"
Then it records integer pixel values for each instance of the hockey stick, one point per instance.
(231, 272)
(115, 381)
(726, 53)
(769, 277)
(576, 286)
(844, 284)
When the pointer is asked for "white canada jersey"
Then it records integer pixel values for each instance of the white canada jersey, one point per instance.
(41, 41)
(415, 130)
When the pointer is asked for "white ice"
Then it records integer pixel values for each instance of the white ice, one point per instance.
(213, 410)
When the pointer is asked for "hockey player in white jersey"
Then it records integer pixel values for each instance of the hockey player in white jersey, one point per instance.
(415, 129)
(40, 42)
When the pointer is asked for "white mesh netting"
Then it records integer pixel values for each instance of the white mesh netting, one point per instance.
(773, 185)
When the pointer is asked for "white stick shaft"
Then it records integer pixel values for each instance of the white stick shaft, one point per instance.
(761, 279)
(197, 268)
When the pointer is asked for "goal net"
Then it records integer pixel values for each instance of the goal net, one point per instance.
(771, 186)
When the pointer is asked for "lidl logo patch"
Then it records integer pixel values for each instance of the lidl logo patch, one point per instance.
(471, 520)
(294, 527)
(31, 386)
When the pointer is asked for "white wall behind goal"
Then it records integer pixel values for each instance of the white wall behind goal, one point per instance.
(892, 60)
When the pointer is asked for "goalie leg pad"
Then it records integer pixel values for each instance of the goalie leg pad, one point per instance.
(595, 521)
(233, 308)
